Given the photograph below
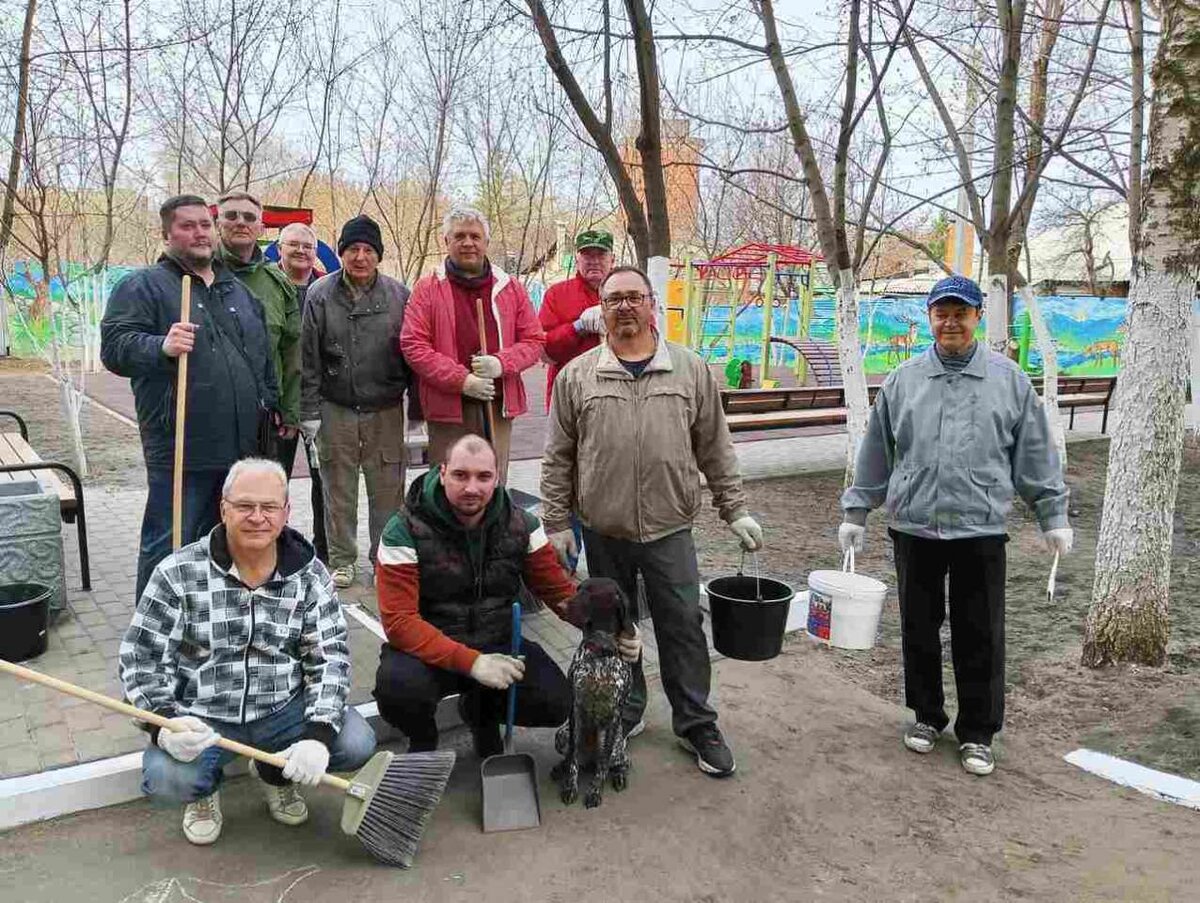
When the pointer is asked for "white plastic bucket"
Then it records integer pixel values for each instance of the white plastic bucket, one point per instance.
(844, 607)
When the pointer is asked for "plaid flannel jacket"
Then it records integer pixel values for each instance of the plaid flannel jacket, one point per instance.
(202, 643)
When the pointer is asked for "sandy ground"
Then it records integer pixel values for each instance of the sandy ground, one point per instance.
(826, 804)
(1150, 715)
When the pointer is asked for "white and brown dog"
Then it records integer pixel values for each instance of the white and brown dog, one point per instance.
(594, 736)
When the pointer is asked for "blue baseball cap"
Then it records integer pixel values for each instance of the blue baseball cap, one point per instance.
(956, 288)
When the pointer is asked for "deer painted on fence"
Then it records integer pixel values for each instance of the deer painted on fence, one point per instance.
(1108, 348)
(900, 346)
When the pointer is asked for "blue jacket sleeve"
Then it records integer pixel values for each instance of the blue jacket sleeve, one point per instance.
(131, 335)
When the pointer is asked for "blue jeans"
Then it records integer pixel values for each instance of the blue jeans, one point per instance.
(166, 778)
(201, 512)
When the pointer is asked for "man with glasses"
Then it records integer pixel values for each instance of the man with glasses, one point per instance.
(633, 424)
(298, 260)
(230, 373)
(353, 391)
(241, 635)
(954, 433)
(239, 220)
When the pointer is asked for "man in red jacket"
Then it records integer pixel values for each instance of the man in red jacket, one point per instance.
(440, 341)
(570, 311)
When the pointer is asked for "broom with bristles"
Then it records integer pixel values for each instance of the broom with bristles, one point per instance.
(388, 802)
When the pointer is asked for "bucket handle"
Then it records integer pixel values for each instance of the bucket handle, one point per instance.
(848, 561)
(757, 575)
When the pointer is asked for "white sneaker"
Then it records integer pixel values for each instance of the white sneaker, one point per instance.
(344, 576)
(202, 820)
(977, 759)
(286, 804)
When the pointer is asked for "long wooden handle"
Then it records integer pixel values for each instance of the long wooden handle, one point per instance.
(483, 349)
(181, 381)
(132, 711)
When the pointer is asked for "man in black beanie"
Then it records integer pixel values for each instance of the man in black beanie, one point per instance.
(352, 391)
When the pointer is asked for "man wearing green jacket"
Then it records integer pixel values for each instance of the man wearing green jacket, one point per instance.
(239, 220)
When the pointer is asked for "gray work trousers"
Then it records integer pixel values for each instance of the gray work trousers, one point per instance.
(672, 579)
(350, 441)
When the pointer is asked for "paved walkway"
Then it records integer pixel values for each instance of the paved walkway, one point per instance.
(40, 729)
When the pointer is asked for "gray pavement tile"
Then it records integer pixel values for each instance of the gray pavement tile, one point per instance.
(90, 618)
(80, 603)
(77, 645)
(104, 634)
(52, 737)
(19, 760)
(57, 758)
(14, 732)
(44, 716)
(90, 745)
(82, 719)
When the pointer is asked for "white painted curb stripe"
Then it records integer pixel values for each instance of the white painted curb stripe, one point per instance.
(1159, 784)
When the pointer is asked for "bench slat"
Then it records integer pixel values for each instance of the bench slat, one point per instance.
(15, 450)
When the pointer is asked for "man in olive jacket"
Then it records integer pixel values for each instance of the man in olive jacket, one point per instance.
(633, 424)
(230, 375)
(239, 220)
(353, 389)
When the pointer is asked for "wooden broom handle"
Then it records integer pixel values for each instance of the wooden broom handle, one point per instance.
(125, 708)
(483, 349)
(181, 382)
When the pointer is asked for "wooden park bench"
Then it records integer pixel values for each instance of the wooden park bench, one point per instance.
(1083, 392)
(786, 408)
(18, 457)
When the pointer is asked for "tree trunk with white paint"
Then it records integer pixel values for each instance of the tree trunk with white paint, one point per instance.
(996, 313)
(1129, 616)
(854, 377)
(1045, 343)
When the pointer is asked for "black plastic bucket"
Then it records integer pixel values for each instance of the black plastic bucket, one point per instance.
(24, 619)
(749, 615)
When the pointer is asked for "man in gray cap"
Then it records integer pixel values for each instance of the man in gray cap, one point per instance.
(353, 389)
(953, 433)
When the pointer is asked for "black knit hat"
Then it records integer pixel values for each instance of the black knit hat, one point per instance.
(361, 228)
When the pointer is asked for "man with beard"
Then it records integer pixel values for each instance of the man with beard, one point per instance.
(230, 376)
(450, 565)
(633, 424)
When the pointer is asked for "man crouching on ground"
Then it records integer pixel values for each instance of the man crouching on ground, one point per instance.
(241, 635)
(449, 569)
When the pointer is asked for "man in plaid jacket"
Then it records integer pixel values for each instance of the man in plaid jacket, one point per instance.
(241, 635)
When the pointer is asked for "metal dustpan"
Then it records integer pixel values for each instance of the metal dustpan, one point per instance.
(510, 781)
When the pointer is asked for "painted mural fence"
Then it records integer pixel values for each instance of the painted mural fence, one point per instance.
(69, 305)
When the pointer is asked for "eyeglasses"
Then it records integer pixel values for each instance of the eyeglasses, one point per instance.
(245, 509)
(628, 299)
(299, 245)
(246, 216)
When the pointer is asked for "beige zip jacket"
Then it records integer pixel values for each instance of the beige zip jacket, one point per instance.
(626, 454)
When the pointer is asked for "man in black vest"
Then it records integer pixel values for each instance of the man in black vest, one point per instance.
(449, 567)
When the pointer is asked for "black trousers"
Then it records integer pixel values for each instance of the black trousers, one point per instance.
(408, 691)
(976, 568)
(672, 578)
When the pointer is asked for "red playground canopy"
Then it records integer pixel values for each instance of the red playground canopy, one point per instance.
(737, 262)
(276, 217)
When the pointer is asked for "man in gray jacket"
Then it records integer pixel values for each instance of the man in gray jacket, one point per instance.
(352, 391)
(633, 424)
(953, 433)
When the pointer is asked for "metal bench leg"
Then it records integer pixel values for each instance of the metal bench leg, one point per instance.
(1104, 421)
(1071, 425)
(85, 564)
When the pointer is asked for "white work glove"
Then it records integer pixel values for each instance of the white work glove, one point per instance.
(478, 388)
(487, 365)
(308, 429)
(850, 536)
(591, 320)
(564, 545)
(748, 532)
(306, 762)
(630, 647)
(190, 738)
(1061, 540)
(496, 670)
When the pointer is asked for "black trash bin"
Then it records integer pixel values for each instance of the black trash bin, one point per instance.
(24, 619)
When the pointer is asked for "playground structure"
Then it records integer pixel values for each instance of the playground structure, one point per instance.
(771, 286)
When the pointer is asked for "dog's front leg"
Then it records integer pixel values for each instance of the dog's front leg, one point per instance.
(569, 767)
(620, 763)
(605, 745)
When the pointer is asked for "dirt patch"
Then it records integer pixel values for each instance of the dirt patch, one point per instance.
(1151, 715)
(114, 452)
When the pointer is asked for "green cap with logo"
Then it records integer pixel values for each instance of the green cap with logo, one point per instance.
(594, 238)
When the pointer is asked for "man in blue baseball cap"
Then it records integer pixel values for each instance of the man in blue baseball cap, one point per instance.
(954, 432)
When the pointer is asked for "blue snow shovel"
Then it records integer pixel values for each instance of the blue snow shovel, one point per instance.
(510, 783)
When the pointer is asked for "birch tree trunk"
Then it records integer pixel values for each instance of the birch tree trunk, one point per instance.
(1129, 616)
(854, 376)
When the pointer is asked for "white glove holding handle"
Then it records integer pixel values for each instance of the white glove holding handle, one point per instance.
(850, 536)
(307, 760)
(479, 388)
(487, 366)
(1059, 541)
(187, 737)
(591, 320)
(748, 532)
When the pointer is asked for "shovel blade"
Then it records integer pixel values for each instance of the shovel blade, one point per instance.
(510, 793)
